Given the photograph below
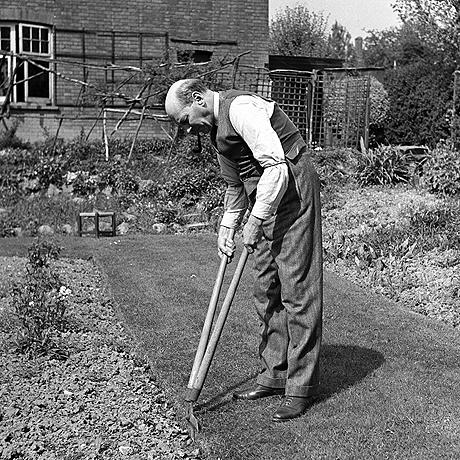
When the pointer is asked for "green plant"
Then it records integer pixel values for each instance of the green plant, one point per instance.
(442, 171)
(334, 166)
(420, 96)
(39, 302)
(384, 165)
(8, 139)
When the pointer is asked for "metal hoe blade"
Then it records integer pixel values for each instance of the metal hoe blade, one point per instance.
(193, 426)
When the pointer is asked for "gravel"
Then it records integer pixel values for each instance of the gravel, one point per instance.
(100, 402)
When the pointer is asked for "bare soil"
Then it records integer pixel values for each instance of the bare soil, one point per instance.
(100, 402)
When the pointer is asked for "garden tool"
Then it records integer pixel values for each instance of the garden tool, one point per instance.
(207, 346)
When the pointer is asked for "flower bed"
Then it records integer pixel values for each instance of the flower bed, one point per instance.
(99, 402)
(400, 242)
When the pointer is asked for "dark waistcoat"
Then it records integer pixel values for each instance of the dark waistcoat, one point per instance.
(231, 145)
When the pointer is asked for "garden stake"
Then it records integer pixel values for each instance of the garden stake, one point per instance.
(207, 347)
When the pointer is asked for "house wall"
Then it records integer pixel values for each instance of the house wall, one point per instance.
(204, 24)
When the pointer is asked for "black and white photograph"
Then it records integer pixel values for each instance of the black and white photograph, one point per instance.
(229, 230)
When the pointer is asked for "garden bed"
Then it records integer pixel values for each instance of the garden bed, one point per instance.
(400, 242)
(100, 402)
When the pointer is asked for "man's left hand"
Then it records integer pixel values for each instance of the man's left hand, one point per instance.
(252, 233)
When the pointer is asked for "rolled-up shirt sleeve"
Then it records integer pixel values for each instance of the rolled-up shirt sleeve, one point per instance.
(235, 200)
(250, 117)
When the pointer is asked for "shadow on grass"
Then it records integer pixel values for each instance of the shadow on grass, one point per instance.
(342, 367)
(224, 397)
(345, 365)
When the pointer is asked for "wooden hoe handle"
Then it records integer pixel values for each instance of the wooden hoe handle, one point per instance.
(204, 339)
(196, 384)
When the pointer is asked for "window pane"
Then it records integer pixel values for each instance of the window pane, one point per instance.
(45, 35)
(35, 33)
(44, 47)
(26, 45)
(19, 77)
(5, 45)
(39, 85)
(26, 32)
(35, 46)
(3, 77)
(4, 32)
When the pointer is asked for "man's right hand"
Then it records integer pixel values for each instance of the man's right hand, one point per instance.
(225, 244)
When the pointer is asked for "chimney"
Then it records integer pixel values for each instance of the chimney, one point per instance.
(359, 52)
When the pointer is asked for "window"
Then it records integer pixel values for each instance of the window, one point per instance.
(6, 38)
(33, 82)
(195, 56)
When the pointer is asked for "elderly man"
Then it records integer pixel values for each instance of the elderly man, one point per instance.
(264, 162)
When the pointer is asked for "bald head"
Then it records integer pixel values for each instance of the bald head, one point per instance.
(191, 104)
(180, 95)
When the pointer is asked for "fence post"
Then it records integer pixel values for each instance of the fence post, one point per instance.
(367, 114)
(312, 110)
(455, 111)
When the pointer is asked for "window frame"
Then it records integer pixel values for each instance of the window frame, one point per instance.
(10, 59)
(17, 47)
(20, 46)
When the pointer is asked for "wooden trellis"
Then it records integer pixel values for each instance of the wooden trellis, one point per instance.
(330, 107)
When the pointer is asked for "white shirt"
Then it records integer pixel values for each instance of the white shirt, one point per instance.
(250, 118)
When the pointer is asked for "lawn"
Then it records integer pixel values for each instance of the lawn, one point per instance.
(390, 377)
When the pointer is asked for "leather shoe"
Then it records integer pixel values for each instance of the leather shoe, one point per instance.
(291, 407)
(258, 392)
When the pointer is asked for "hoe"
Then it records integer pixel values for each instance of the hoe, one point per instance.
(207, 345)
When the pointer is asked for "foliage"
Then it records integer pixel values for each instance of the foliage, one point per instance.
(298, 31)
(170, 179)
(382, 166)
(442, 172)
(399, 46)
(438, 23)
(379, 103)
(382, 239)
(420, 99)
(334, 166)
(40, 302)
(339, 44)
(8, 139)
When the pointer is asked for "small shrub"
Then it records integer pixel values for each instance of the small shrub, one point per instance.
(8, 139)
(50, 170)
(442, 171)
(384, 165)
(188, 185)
(84, 184)
(334, 166)
(167, 213)
(39, 303)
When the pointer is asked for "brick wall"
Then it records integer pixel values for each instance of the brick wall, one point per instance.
(39, 124)
(206, 21)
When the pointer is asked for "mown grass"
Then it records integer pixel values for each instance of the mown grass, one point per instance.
(390, 378)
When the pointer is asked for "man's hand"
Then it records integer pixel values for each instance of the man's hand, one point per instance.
(225, 244)
(252, 233)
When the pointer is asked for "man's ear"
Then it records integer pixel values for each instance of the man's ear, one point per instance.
(198, 97)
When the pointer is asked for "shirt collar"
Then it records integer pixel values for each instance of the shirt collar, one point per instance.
(216, 107)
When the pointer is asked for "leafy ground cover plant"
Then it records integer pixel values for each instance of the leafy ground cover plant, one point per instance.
(401, 241)
(39, 303)
(167, 181)
(383, 165)
(442, 172)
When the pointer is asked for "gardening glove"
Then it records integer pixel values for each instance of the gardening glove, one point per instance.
(225, 243)
(252, 232)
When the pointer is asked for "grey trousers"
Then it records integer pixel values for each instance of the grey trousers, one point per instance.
(289, 286)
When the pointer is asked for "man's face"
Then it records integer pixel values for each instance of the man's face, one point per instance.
(197, 117)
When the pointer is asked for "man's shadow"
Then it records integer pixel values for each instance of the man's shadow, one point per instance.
(342, 366)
